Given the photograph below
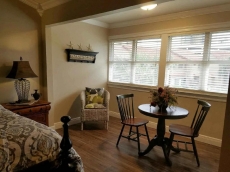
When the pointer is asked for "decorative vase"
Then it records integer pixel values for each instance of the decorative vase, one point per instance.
(162, 107)
(36, 95)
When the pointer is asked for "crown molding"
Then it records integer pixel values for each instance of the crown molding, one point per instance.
(184, 14)
(30, 3)
(53, 3)
(41, 7)
(96, 23)
(222, 25)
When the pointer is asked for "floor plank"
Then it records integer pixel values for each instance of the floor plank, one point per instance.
(97, 148)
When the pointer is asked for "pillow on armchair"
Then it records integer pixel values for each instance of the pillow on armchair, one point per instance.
(94, 97)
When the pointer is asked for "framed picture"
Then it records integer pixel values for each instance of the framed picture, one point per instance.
(81, 56)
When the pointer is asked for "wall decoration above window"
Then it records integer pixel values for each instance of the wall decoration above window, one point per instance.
(81, 56)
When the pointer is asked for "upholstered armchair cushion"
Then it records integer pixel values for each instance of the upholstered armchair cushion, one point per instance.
(100, 112)
(94, 96)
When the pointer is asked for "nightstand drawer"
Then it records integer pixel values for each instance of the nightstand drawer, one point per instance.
(39, 117)
(33, 110)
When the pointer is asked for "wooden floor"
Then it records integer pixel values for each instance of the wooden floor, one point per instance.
(97, 148)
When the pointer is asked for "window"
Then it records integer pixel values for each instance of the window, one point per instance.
(135, 61)
(199, 62)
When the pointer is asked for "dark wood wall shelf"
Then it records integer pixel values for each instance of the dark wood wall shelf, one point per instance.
(81, 56)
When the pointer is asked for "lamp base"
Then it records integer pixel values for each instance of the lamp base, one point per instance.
(30, 102)
(24, 101)
(22, 87)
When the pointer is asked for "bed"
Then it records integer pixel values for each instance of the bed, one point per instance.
(26, 145)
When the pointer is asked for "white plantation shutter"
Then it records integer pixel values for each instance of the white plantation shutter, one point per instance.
(186, 48)
(122, 51)
(199, 62)
(120, 54)
(219, 67)
(147, 62)
(135, 62)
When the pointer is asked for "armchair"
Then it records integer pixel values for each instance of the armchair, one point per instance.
(96, 113)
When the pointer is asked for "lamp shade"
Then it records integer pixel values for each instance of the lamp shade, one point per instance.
(21, 69)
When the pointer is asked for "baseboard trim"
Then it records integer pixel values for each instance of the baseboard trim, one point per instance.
(201, 138)
(73, 121)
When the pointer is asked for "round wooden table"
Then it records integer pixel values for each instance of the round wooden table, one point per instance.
(174, 112)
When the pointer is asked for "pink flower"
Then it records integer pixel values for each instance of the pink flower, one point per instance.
(160, 90)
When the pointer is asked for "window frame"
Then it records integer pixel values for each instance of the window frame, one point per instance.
(133, 59)
(205, 62)
(164, 35)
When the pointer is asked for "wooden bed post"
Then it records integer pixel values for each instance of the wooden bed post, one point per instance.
(65, 143)
(65, 162)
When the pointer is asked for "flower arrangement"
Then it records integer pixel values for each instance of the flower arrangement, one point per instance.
(164, 96)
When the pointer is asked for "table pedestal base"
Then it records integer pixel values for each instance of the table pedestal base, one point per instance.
(156, 141)
(159, 140)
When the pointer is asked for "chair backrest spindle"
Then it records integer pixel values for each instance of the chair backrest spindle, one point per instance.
(203, 108)
(125, 105)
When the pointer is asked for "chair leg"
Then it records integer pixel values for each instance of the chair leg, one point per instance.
(107, 125)
(147, 134)
(82, 125)
(130, 130)
(138, 140)
(118, 140)
(170, 143)
(169, 162)
(195, 151)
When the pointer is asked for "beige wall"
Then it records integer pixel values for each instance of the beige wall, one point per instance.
(67, 79)
(73, 10)
(19, 36)
(55, 15)
(213, 125)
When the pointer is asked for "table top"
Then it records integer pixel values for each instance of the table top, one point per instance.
(174, 112)
(17, 107)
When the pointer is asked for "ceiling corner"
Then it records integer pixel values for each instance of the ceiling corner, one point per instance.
(52, 3)
(31, 3)
(41, 5)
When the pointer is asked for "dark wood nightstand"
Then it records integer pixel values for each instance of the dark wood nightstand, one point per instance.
(38, 111)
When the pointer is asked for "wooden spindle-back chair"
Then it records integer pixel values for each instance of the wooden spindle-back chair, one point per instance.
(126, 109)
(192, 131)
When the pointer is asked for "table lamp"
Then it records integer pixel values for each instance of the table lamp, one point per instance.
(21, 70)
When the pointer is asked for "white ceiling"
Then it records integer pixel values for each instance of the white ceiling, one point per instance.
(172, 6)
(162, 9)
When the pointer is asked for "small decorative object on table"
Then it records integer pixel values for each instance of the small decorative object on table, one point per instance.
(163, 97)
(36, 95)
(70, 45)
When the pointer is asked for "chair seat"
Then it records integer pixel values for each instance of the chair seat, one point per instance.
(135, 122)
(181, 130)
